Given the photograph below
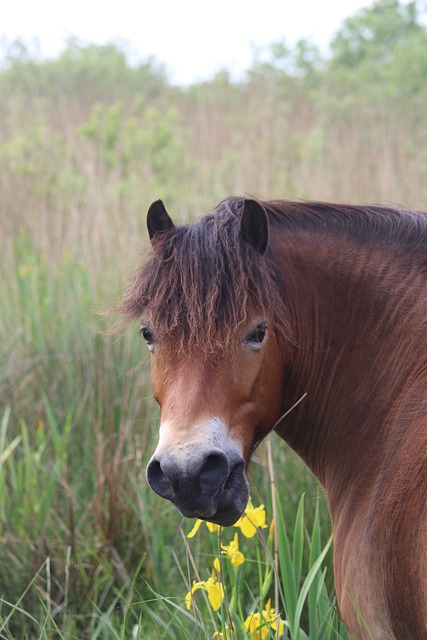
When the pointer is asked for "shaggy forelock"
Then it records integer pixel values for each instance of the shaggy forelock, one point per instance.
(202, 280)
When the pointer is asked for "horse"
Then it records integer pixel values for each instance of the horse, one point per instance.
(260, 302)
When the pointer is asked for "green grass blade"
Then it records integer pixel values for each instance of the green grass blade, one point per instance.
(298, 542)
(315, 550)
(286, 566)
(308, 582)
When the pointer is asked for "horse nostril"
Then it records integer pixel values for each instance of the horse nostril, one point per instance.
(170, 481)
(158, 480)
(213, 472)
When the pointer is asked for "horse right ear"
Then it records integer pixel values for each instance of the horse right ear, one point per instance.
(254, 225)
(158, 219)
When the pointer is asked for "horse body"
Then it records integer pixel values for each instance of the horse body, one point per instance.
(339, 314)
(360, 316)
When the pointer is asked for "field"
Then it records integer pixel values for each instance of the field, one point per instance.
(87, 143)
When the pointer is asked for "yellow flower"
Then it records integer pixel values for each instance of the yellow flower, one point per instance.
(212, 527)
(224, 635)
(260, 624)
(214, 589)
(253, 519)
(232, 551)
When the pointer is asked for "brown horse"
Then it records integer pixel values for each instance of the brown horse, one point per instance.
(256, 304)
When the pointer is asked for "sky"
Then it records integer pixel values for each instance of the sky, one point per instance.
(193, 38)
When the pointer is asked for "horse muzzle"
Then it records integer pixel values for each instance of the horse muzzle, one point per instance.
(210, 485)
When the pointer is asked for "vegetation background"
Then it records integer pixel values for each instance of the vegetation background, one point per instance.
(87, 142)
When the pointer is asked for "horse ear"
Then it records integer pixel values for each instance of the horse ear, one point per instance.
(254, 225)
(158, 219)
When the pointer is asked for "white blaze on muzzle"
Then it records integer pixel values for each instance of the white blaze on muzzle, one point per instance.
(187, 446)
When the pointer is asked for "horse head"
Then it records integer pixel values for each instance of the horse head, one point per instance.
(216, 373)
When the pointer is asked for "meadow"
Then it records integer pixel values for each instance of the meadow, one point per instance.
(87, 142)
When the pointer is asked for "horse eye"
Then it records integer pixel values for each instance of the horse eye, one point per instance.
(257, 335)
(148, 336)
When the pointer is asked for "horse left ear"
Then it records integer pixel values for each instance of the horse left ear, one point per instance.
(254, 225)
(158, 219)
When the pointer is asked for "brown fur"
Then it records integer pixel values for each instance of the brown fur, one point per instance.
(345, 289)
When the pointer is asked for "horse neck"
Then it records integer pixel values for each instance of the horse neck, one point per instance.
(359, 342)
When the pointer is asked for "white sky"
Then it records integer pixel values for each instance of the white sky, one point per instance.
(194, 38)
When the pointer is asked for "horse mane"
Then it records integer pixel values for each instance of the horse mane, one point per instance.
(393, 229)
(201, 280)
